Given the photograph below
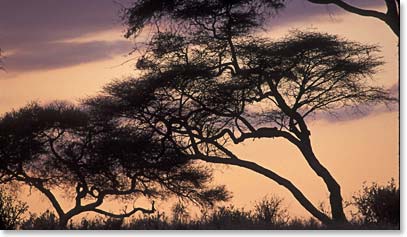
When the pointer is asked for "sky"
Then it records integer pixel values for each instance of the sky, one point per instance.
(70, 49)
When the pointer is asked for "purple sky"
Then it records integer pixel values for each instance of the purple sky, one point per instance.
(36, 34)
(31, 29)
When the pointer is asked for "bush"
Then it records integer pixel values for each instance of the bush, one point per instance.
(230, 218)
(180, 214)
(99, 224)
(10, 211)
(379, 204)
(266, 214)
(46, 221)
(156, 221)
(304, 224)
(269, 211)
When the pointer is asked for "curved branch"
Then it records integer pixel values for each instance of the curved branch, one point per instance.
(38, 185)
(391, 18)
(272, 175)
(352, 9)
(263, 132)
(127, 214)
(269, 133)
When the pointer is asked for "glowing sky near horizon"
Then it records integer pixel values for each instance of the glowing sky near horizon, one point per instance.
(67, 50)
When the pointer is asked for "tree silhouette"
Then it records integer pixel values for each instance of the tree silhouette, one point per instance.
(205, 76)
(61, 148)
(202, 105)
(391, 17)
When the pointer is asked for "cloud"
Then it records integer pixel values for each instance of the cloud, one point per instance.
(302, 10)
(31, 22)
(57, 55)
(33, 30)
(354, 113)
(361, 111)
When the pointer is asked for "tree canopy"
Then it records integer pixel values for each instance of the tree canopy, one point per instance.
(201, 104)
(221, 17)
(208, 81)
(61, 147)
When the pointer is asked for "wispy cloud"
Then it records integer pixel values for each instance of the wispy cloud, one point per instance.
(32, 22)
(361, 111)
(302, 10)
(34, 33)
(56, 55)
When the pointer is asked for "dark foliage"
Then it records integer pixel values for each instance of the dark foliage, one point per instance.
(61, 146)
(11, 211)
(233, 16)
(205, 78)
(228, 217)
(379, 205)
(219, 218)
(45, 221)
(200, 100)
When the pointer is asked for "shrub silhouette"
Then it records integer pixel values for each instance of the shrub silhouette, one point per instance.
(180, 214)
(270, 211)
(11, 211)
(379, 204)
(45, 221)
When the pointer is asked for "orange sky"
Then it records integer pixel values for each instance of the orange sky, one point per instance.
(358, 150)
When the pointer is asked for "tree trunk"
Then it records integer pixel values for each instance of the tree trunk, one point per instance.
(335, 197)
(63, 222)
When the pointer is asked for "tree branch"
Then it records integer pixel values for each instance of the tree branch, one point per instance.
(353, 9)
(51, 197)
(127, 214)
(272, 175)
(391, 18)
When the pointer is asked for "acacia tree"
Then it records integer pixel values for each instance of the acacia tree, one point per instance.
(391, 17)
(60, 148)
(204, 76)
(202, 108)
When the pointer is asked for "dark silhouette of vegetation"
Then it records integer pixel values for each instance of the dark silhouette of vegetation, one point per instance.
(204, 73)
(11, 211)
(180, 214)
(204, 76)
(206, 83)
(379, 205)
(391, 17)
(267, 214)
(45, 221)
(224, 19)
(61, 147)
